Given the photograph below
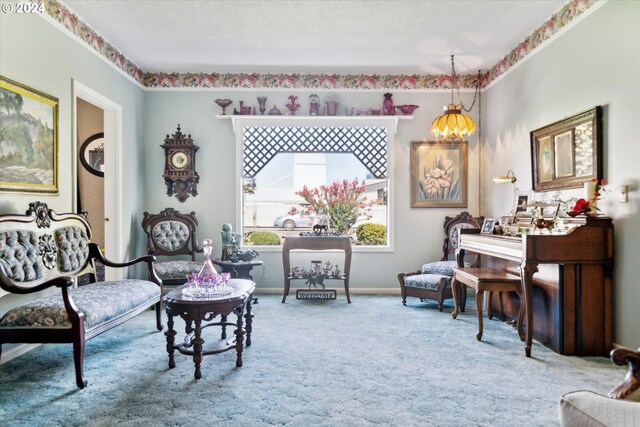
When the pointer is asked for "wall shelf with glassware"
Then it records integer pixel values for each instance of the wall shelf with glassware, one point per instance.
(391, 121)
(282, 116)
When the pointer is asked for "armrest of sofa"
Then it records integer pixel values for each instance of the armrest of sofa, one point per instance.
(96, 253)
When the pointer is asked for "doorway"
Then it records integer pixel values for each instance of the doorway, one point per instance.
(97, 178)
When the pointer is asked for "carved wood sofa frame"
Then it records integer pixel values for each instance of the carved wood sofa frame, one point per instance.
(42, 250)
(449, 245)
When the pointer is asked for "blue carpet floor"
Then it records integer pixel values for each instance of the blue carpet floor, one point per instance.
(373, 362)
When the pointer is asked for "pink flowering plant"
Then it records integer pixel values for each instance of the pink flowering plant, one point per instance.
(342, 201)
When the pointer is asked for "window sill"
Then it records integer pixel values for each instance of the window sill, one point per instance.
(354, 248)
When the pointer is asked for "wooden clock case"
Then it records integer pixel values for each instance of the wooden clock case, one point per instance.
(180, 174)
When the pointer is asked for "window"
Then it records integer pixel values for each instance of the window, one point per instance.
(278, 161)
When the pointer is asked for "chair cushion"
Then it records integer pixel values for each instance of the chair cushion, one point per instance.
(73, 249)
(20, 255)
(426, 281)
(170, 235)
(176, 269)
(588, 409)
(100, 302)
(441, 267)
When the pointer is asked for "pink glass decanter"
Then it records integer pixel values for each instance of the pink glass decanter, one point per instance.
(207, 271)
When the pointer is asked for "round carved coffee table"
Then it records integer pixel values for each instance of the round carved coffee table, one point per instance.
(199, 313)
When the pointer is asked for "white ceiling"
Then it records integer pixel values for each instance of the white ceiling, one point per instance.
(310, 36)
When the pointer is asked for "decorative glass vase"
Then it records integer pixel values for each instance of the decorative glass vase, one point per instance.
(207, 272)
(262, 102)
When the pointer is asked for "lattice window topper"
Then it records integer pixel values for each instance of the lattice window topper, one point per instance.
(367, 144)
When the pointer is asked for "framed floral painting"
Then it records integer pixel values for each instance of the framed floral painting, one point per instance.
(28, 139)
(438, 174)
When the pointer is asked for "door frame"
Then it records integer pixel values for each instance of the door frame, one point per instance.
(113, 179)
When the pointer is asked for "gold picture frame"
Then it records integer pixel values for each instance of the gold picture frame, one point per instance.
(439, 174)
(567, 153)
(29, 147)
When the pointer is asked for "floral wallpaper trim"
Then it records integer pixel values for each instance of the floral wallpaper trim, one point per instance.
(558, 20)
(71, 22)
(87, 34)
(306, 81)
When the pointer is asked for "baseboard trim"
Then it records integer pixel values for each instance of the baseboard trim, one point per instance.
(16, 351)
(352, 291)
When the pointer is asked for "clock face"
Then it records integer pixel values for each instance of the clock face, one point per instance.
(179, 160)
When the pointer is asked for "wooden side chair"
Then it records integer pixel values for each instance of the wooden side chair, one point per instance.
(433, 280)
(171, 236)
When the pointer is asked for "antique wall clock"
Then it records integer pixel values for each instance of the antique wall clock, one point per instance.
(180, 166)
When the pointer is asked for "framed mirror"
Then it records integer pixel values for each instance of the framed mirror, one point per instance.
(92, 154)
(567, 153)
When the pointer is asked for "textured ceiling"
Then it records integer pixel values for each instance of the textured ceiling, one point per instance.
(308, 36)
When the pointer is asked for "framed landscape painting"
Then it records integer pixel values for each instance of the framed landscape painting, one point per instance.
(28, 139)
(438, 174)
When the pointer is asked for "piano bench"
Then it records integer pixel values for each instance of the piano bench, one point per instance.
(490, 280)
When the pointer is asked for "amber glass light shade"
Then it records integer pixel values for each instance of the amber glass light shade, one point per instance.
(453, 124)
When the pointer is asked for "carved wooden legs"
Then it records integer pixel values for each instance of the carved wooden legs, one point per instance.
(223, 320)
(171, 339)
(159, 315)
(455, 290)
(287, 285)
(479, 301)
(346, 289)
(489, 298)
(527, 269)
(78, 357)
(248, 317)
(197, 347)
(520, 317)
(239, 334)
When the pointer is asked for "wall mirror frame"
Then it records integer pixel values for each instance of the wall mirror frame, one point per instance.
(92, 154)
(567, 153)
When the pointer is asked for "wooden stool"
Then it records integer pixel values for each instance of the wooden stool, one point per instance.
(486, 279)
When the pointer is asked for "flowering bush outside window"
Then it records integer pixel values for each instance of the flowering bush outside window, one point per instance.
(342, 201)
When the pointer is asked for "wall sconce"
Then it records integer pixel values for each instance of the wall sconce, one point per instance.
(509, 178)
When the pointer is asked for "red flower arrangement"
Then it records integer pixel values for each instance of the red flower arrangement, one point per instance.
(583, 206)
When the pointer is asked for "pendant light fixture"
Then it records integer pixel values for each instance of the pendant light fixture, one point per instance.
(454, 124)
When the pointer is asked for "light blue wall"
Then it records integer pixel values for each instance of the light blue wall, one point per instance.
(418, 232)
(597, 62)
(38, 54)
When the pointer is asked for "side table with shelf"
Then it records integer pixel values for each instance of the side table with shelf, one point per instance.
(316, 243)
(239, 269)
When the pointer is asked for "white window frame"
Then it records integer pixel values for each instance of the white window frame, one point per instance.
(388, 122)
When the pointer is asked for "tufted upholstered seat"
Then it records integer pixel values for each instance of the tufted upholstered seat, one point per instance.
(172, 236)
(50, 312)
(433, 280)
(42, 251)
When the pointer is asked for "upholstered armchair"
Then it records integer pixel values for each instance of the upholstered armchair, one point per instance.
(433, 280)
(621, 407)
(171, 237)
